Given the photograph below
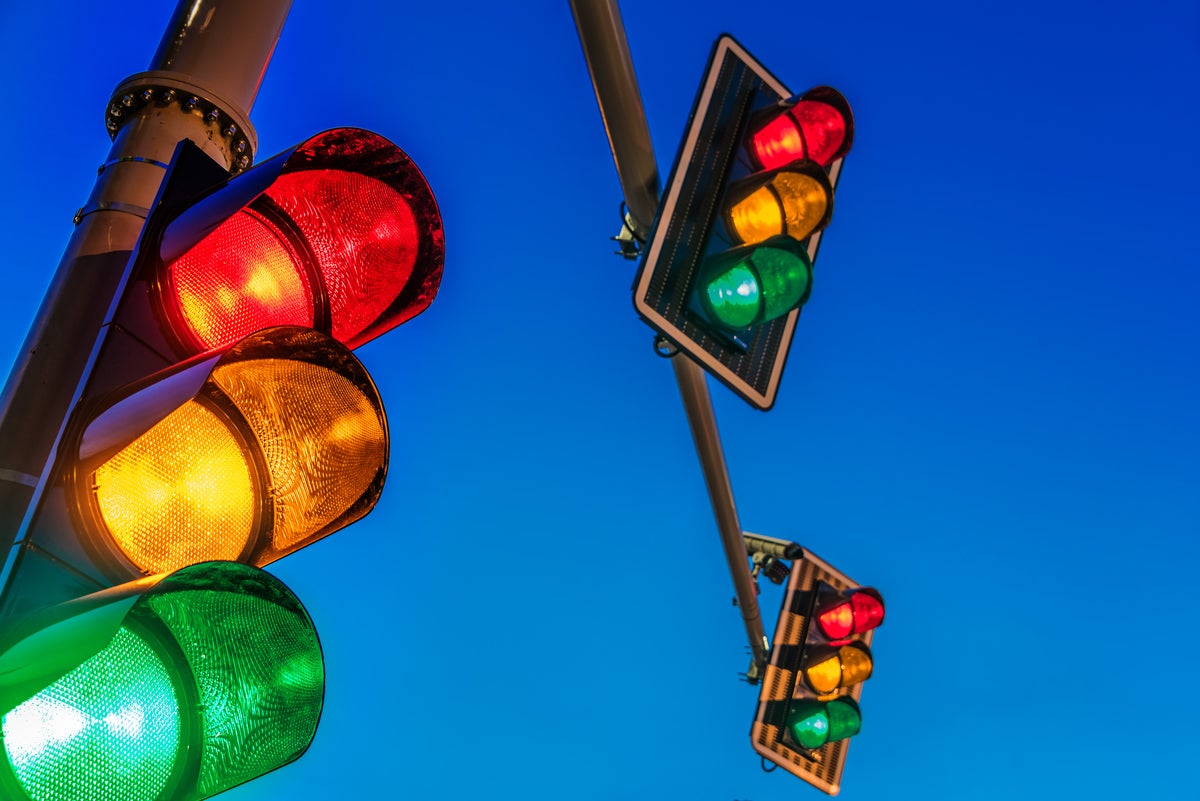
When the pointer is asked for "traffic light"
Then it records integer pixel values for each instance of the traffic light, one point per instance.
(178, 686)
(224, 416)
(730, 258)
(222, 422)
(808, 703)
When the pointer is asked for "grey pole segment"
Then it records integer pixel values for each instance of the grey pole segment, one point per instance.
(693, 388)
(147, 116)
(602, 35)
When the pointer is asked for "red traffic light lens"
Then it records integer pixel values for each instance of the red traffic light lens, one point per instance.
(243, 277)
(341, 234)
(819, 127)
(862, 611)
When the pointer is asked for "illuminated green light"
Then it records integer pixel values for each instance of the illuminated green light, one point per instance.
(746, 286)
(812, 723)
(114, 717)
(844, 719)
(207, 678)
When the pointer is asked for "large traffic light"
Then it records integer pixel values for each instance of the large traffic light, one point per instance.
(174, 687)
(224, 416)
(808, 704)
(222, 422)
(730, 259)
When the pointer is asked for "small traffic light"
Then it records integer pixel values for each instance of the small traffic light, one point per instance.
(808, 707)
(176, 686)
(730, 258)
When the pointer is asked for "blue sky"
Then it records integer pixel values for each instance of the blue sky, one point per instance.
(990, 410)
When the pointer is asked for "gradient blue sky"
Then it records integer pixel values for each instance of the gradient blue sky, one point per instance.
(990, 411)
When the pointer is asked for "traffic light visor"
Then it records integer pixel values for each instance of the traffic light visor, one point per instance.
(201, 680)
(341, 234)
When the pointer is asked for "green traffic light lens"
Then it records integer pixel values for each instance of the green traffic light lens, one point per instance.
(114, 717)
(259, 674)
(844, 719)
(812, 723)
(733, 296)
(808, 724)
(182, 686)
(746, 286)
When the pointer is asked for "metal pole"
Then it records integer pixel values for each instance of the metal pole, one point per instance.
(694, 390)
(202, 82)
(606, 50)
(602, 35)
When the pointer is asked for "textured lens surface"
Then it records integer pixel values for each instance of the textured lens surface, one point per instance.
(733, 295)
(785, 277)
(791, 203)
(808, 723)
(838, 622)
(810, 130)
(323, 439)
(259, 674)
(240, 278)
(364, 236)
(825, 676)
(180, 493)
(844, 719)
(107, 731)
(856, 664)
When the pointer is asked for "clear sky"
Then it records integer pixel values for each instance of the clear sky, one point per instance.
(990, 410)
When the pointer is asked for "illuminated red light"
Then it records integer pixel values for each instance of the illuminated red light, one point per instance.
(862, 611)
(346, 238)
(818, 127)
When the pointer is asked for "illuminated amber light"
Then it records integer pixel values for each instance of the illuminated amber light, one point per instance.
(844, 667)
(322, 438)
(790, 203)
(825, 676)
(194, 507)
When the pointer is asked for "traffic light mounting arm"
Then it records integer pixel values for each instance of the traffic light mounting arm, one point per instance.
(606, 51)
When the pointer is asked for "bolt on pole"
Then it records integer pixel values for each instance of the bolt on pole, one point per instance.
(606, 50)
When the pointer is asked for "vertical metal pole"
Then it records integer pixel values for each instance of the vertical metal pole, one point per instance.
(606, 50)
(202, 82)
(602, 35)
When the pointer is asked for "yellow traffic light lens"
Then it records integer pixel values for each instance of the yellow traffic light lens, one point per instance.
(856, 664)
(791, 203)
(196, 506)
(322, 437)
(825, 676)
(831, 670)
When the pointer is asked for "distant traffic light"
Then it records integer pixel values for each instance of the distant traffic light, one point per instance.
(808, 705)
(730, 260)
(178, 687)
